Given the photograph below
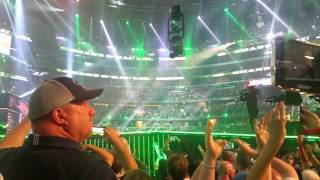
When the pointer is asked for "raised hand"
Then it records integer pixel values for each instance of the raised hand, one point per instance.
(277, 124)
(112, 135)
(126, 159)
(213, 148)
(277, 131)
(206, 170)
(245, 147)
(262, 135)
(104, 154)
(155, 146)
(309, 119)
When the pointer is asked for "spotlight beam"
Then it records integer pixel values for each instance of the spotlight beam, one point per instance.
(27, 93)
(64, 22)
(22, 47)
(278, 18)
(273, 22)
(122, 71)
(133, 34)
(157, 35)
(209, 30)
(115, 53)
(107, 35)
(70, 57)
(9, 12)
(235, 20)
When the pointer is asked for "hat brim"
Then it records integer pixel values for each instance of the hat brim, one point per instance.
(89, 94)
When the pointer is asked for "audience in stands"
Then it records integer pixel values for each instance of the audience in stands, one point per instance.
(61, 120)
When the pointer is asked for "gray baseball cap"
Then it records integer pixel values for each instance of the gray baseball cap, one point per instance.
(56, 92)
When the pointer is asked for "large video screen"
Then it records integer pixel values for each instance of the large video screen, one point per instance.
(297, 65)
(12, 111)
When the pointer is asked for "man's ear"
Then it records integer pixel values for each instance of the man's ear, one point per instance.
(58, 116)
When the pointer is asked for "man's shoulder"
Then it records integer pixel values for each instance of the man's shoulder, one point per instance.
(99, 170)
(89, 164)
(78, 155)
(76, 164)
(7, 152)
(6, 155)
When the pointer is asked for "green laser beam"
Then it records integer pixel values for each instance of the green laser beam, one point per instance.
(237, 22)
(138, 49)
(4, 126)
(77, 26)
(132, 33)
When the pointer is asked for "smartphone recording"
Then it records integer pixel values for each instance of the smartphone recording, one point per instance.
(296, 65)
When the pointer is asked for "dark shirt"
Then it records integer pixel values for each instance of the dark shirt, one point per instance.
(242, 175)
(52, 158)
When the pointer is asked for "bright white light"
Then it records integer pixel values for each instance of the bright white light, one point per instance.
(218, 75)
(87, 64)
(157, 35)
(21, 78)
(141, 78)
(111, 47)
(309, 57)
(277, 17)
(40, 73)
(27, 93)
(260, 82)
(20, 29)
(168, 78)
(115, 53)
(114, 6)
(98, 131)
(209, 30)
(23, 37)
(270, 36)
(222, 54)
(163, 50)
(61, 38)
(150, 24)
(117, 2)
(172, 59)
(107, 34)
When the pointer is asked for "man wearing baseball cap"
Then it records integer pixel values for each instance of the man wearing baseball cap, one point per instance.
(61, 118)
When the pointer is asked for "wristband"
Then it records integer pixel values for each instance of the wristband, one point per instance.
(208, 165)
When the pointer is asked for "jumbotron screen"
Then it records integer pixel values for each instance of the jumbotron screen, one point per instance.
(12, 111)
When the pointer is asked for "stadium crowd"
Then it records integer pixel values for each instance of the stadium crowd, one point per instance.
(61, 119)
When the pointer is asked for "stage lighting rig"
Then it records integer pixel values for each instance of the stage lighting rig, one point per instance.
(176, 32)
